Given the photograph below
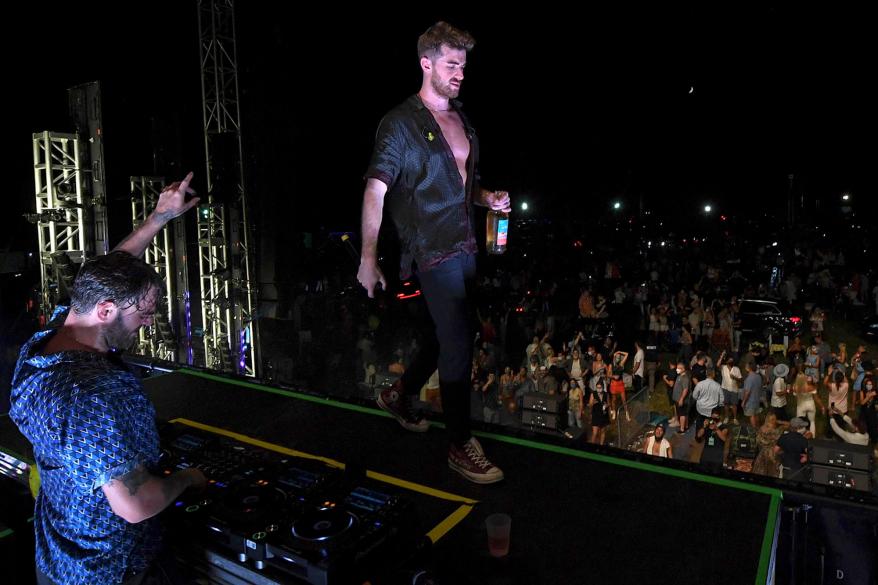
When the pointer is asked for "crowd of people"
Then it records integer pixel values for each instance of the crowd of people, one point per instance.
(596, 340)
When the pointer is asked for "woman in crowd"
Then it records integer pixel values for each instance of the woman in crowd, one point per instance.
(617, 384)
(575, 404)
(766, 462)
(507, 385)
(599, 404)
(838, 390)
(806, 397)
(812, 363)
(598, 366)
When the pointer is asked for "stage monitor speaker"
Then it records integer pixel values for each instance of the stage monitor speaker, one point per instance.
(852, 479)
(537, 418)
(836, 454)
(543, 402)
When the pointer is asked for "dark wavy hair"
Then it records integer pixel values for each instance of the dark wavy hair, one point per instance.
(118, 277)
(430, 43)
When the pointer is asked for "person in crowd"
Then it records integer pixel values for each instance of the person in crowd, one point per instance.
(638, 369)
(680, 395)
(796, 352)
(824, 352)
(586, 305)
(617, 384)
(576, 367)
(813, 365)
(686, 342)
(657, 444)
(547, 382)
(869, 410)
(599, 405)
(838, 386)
(714, 435)
(731, 385)
(507, 385)
(575, 403)
(752, 394)
(780, 390)
(848, 430)
(766, 462)
(669, 377)
(698, 367)
(807, 402)
(708, 396)
(858, 372)
(792, 449)
(599, 367)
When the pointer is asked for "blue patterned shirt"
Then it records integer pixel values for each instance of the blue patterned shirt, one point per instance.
(88, 420)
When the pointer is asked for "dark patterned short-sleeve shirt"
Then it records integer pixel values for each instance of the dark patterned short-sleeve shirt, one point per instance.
(430, 204)
(88, 420)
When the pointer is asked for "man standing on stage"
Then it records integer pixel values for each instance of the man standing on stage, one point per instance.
(425, 165)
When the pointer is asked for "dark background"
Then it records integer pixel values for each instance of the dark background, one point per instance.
(667, 108)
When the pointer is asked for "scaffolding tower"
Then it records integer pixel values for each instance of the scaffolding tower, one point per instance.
(60, 215)
(225, 257)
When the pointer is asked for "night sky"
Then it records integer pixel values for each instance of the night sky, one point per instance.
(675, 106)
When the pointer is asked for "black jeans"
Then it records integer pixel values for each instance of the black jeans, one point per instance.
(447, 341)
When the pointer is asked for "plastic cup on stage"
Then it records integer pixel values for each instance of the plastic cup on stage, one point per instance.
(498, 526)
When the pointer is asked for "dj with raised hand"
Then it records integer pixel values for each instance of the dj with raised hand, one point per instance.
(91, 425)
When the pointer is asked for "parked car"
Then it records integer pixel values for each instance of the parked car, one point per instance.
(764, 318)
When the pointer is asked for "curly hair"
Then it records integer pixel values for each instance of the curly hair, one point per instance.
(430, 43)
(118, 277)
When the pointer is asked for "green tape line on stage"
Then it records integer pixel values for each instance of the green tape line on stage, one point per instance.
(768, 541)
(730, 483)
(513, 440)
(287, 393)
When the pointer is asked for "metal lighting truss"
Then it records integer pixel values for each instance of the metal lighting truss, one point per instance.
(60, 214)
(225, 258)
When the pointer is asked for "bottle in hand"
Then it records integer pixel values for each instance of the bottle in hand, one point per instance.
(497, 231)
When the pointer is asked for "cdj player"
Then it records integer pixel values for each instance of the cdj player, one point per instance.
(267, 517)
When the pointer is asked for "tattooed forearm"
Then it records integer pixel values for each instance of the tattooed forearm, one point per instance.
(174, 485)
(134, 479)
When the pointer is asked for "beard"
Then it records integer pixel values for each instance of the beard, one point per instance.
(444, 89)
(117, 337)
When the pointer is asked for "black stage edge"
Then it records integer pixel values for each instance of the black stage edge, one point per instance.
(580, 514)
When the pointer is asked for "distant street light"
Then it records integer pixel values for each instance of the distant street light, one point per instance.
(524, 206)
(846, 197)
(707, 209)
(617, 205)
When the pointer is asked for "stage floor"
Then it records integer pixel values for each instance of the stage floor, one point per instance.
(578, 516)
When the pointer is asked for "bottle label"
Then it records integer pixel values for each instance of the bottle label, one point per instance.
(502, 231)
